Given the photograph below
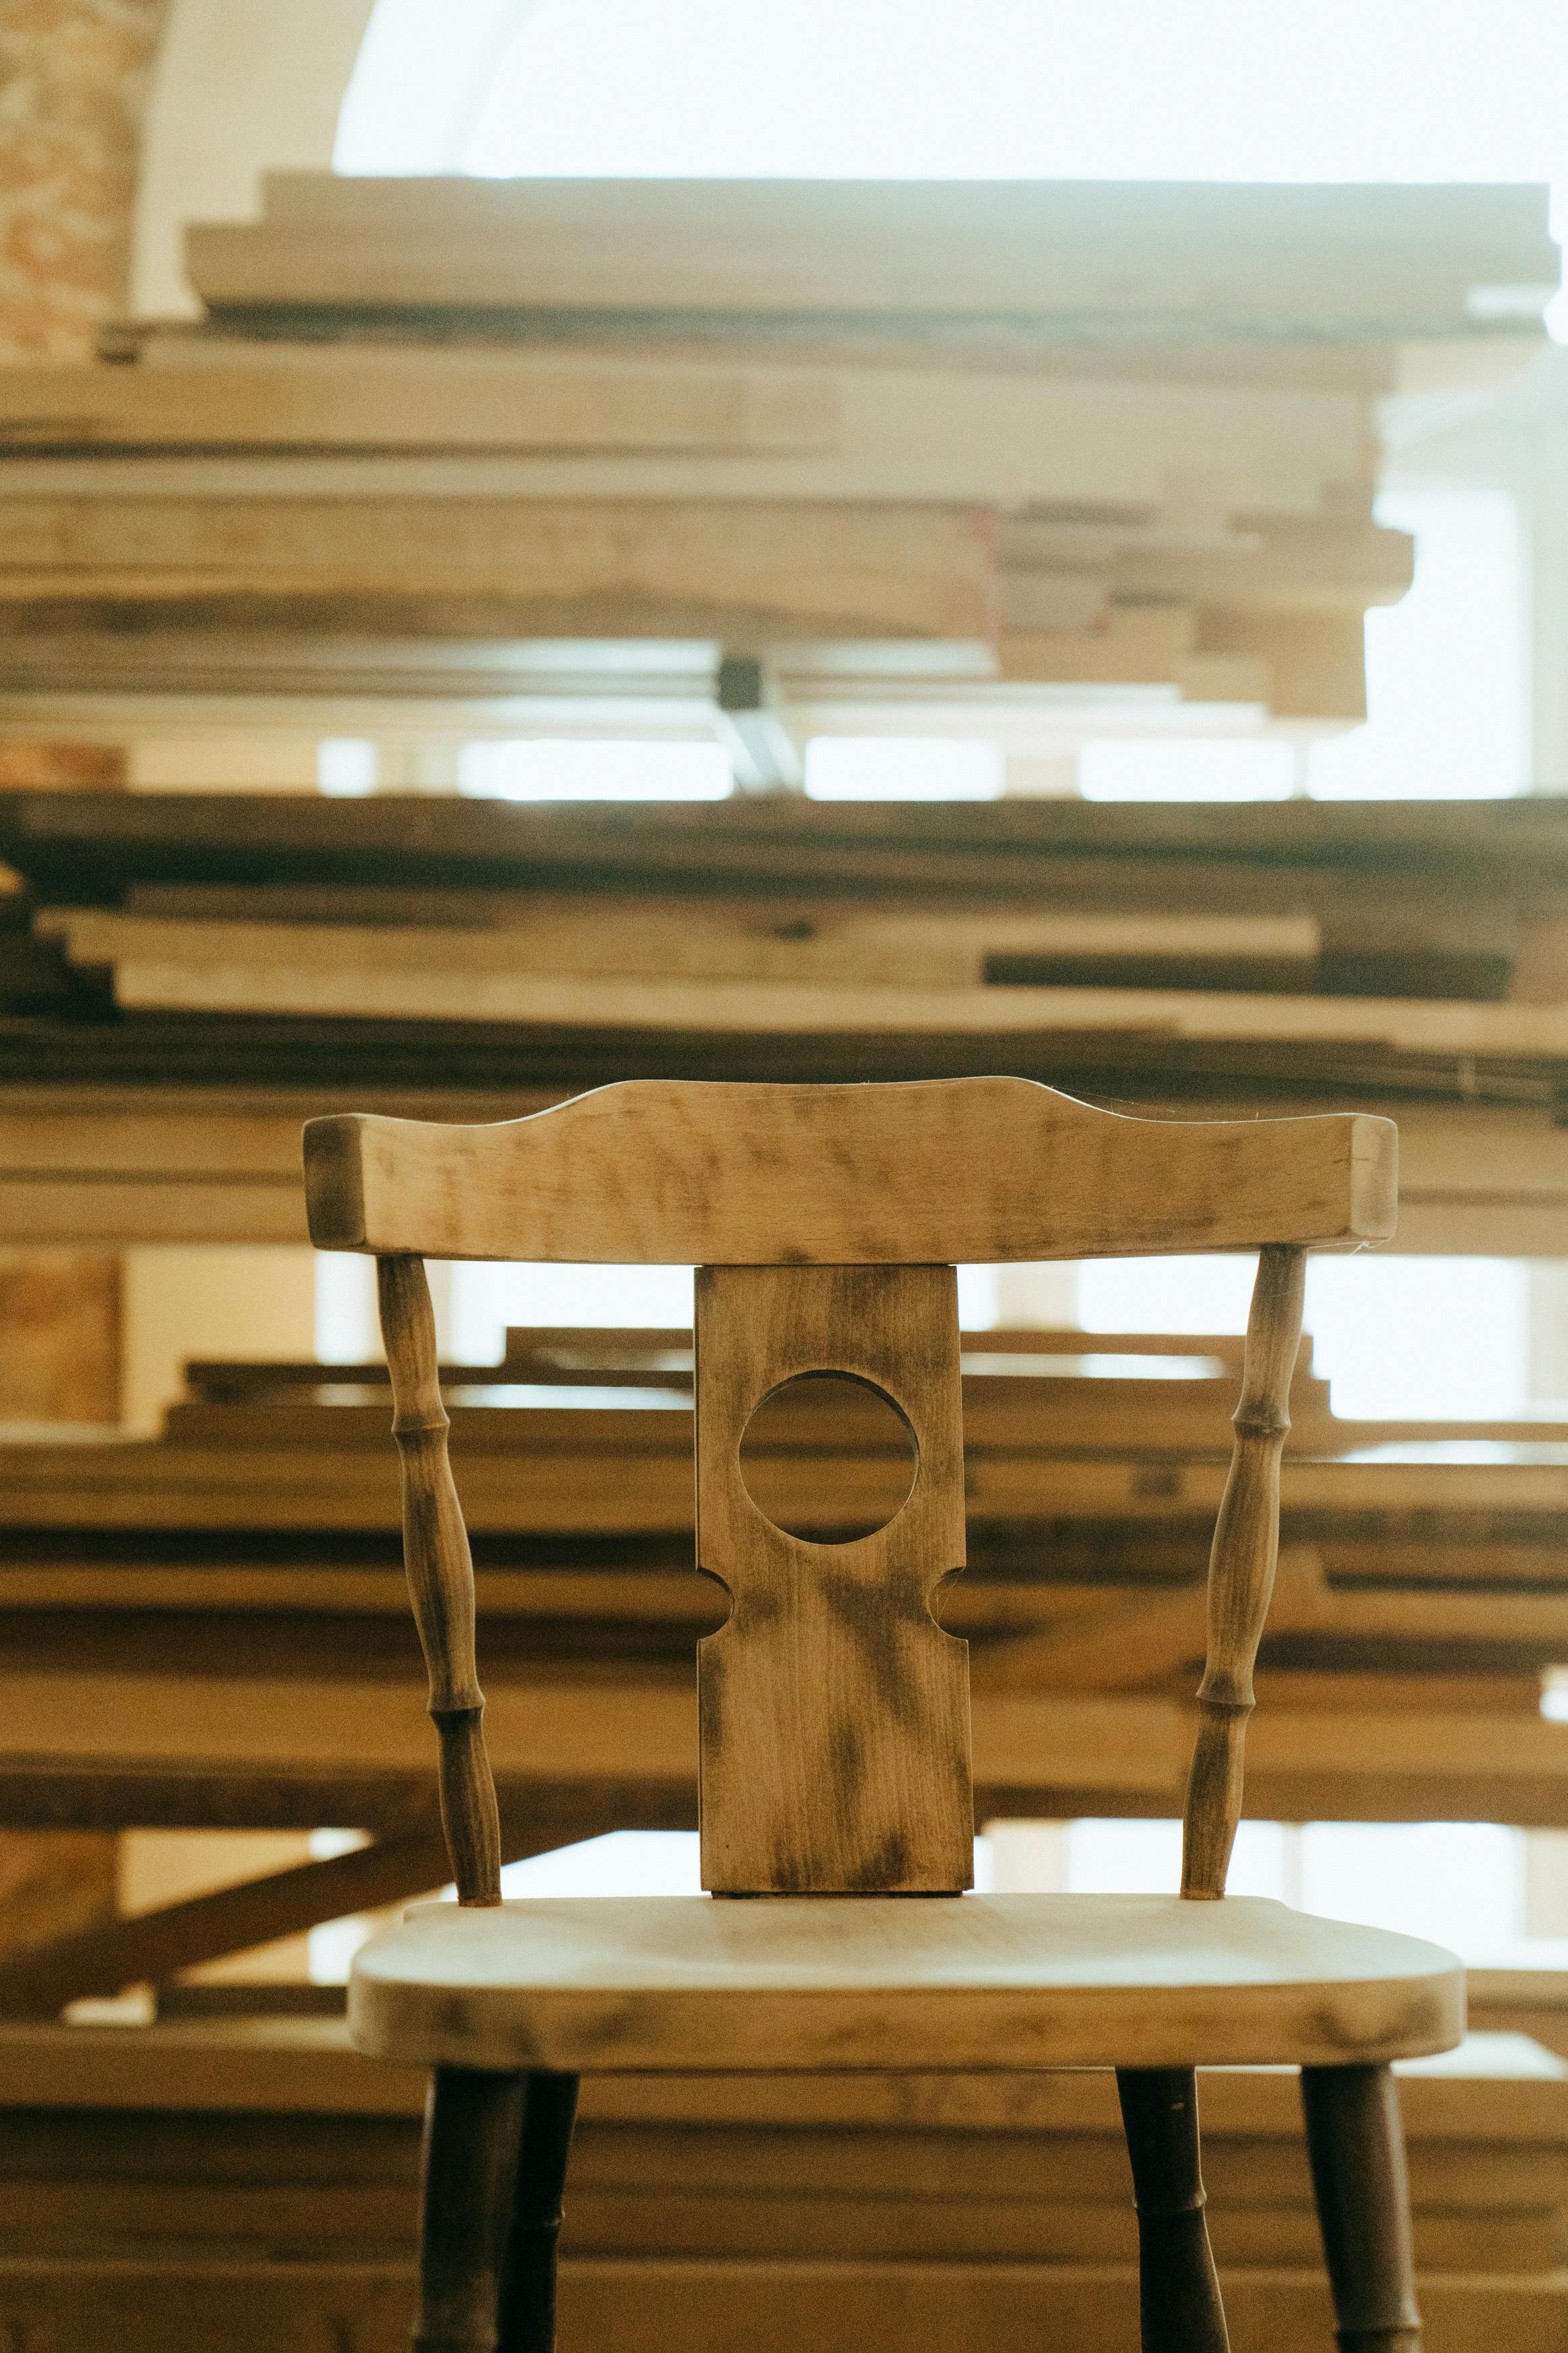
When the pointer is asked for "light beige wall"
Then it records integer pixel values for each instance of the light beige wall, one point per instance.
(160, 1867)
(242, 86)
(208, 1301)
(259, 762)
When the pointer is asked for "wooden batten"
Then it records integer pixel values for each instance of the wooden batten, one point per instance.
(1352, 261)
(482, 566)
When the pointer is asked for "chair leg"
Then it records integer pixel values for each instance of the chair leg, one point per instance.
(1179, 2300)
(1357, 2147)
(472, 2120)
(528, 2284)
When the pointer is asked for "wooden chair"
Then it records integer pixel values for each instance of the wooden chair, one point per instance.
(825, 1222)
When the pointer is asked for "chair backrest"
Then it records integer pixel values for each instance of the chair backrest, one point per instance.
(825, 1223)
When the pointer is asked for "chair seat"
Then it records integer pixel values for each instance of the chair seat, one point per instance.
(691, 1982)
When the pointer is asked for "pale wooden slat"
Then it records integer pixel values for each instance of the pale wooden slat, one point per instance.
(550, 567)
(234, 418)
(281, 397)
(1361, 258)
(680, 937)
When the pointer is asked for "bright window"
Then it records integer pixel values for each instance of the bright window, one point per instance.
(533, 769)
(1445, 667)
(1397, 1338)
(1399, 89)
(902, 768)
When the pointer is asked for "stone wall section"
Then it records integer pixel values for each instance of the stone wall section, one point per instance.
(74, 75)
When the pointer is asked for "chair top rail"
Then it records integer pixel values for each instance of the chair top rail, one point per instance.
(970, 1170)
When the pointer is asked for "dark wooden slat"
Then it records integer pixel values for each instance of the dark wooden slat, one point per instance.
(89, 845)
(41, 1793)
(354, 1058)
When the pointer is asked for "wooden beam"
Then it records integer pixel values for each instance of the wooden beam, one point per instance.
(516, 567)
(678, 936)
(1351, 261)
(353, 422)
(283, 396)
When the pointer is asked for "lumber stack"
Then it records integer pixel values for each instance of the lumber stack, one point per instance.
(239, 2184)
(1278, 949)
(1076, 435)
(210, 1628)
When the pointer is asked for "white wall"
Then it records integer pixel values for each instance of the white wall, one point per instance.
(240, 87)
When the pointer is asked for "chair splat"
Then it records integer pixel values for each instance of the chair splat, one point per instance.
(834, 1711)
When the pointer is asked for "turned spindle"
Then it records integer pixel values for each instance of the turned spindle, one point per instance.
(1241, 1570)
(440, 1580)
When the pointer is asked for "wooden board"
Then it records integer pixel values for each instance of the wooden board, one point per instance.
(282, 398)
(1261, 857)
(368, 422)
(515, 567)
(1319, 565)
(982, 2212)
(678, 936)
(377, 990)
(1355, 260)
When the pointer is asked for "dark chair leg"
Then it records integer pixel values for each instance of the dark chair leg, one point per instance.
(1179, 2301)
(528, 2286)
(472, 2119)
(1357, 2148)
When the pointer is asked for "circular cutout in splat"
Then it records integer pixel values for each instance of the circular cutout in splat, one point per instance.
(828, 1457)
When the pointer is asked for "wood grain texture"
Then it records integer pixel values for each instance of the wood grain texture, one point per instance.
(440, 1580)
(1179, 2300)
(983, 1169)
(282, 396)
(679, 937)
(585, 1985)
(1241, 1571)
(1356, 2143)
(516, 567)
(834, 1711)
(1349, 261)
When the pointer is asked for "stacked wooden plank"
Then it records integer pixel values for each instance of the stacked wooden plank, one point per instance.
(1093, 434)
(1272, 951)
(210, 1627)
(228, 2186)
